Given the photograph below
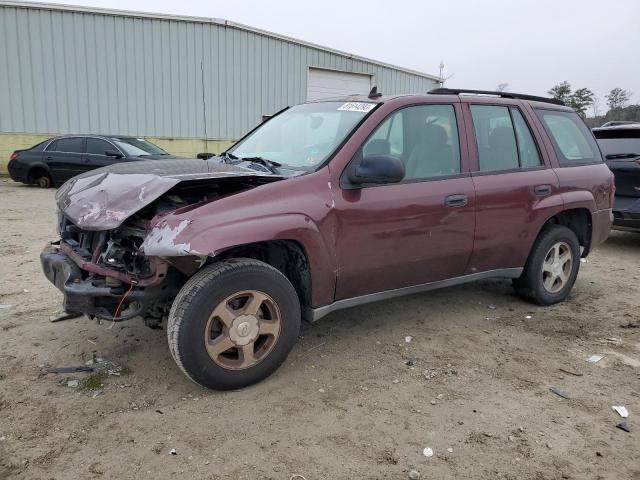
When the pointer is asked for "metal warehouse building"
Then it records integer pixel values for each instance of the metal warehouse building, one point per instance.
(174, 80)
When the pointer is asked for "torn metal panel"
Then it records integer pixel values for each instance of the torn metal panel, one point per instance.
(161, 241)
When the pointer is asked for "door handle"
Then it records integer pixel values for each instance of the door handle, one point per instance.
(542, 190)
(49, 158)
(456, 200)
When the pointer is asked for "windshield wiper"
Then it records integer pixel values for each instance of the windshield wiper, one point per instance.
(228, 156)
(270, 164)
(622, 155)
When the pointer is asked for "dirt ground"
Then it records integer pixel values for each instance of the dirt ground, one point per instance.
(345, 404)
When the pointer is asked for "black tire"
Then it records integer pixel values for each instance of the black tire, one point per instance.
(197, 300)
(530, 285)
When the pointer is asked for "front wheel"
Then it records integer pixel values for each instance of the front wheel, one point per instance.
(552, 267)
(233, 324)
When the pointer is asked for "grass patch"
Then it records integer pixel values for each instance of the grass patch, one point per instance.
(94, 381)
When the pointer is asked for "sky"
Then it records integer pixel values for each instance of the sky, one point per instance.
(529, 44)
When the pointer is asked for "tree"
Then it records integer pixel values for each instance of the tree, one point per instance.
(580, 100)
(561, 91)
(618, 98)
(502, 87)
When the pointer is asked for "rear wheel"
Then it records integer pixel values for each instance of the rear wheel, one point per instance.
(233, 324)
(552, 267)
(41, 178)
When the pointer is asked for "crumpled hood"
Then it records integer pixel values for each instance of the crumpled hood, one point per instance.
(102, 199)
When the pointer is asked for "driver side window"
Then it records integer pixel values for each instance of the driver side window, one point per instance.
(424, 137)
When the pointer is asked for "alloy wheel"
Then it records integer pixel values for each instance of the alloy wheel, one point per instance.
(242, 330)
(556, 268)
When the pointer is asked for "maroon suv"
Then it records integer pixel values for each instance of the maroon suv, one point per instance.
(330, 205)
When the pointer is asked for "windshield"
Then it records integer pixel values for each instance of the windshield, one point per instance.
(305, 135)
(137, 147)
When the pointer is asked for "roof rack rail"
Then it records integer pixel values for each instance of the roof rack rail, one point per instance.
(521, 96)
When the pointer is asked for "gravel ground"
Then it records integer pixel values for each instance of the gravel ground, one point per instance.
(345, 404)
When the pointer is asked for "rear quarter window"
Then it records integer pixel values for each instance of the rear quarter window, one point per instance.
(572, 141)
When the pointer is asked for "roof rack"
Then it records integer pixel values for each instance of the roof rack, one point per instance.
(521, 96)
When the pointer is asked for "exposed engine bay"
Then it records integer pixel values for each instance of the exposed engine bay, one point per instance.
(99, 262)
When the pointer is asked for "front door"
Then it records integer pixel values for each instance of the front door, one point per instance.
(419, 230)
(95, 156)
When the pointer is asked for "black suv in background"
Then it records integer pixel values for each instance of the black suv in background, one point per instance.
(57, 159)
(620, 145)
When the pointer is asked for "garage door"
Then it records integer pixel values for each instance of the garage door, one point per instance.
(329, 83)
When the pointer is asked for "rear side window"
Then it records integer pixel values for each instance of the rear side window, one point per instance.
(529, 156)
(40, 146)
(95, 146)
(503, 138)
(70, 145)
(495, 138)
(572, 140)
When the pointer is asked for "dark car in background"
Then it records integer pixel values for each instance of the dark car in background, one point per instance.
(620, 145)
(56, 160)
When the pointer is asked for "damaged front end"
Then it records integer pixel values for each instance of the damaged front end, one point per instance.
(100, 262)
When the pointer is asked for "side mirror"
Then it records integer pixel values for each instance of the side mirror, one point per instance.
(205, 155)
(377, 169)
(113, 153)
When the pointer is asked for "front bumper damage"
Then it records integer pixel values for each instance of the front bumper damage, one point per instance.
(98, 291)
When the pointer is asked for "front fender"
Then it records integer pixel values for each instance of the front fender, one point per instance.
(175, 237)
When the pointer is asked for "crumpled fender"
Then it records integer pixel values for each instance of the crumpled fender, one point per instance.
(242, 219)
(174, 238)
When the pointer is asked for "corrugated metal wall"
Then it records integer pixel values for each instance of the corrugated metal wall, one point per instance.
(78, 71)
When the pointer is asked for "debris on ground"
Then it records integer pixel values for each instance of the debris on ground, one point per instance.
(410, 363)
(528, 317)
(388, 456)
(624, 426)
(450, 450)
(408, 339)
(173, 452)
(73, 383)
(96, 393)
(414, 475)
(594, 358)
(559, 392)
(4, 305)
(395, 380)
(622, 411)
(427, 452)
(564, 370)
(68, 369)
(107, 367)
(64, 316)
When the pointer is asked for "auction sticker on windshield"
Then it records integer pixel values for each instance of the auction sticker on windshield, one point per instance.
(363, 107)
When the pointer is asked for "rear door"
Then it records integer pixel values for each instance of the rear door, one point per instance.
(65, 157)
(516, 188)
(96, 157)
(419, 230)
